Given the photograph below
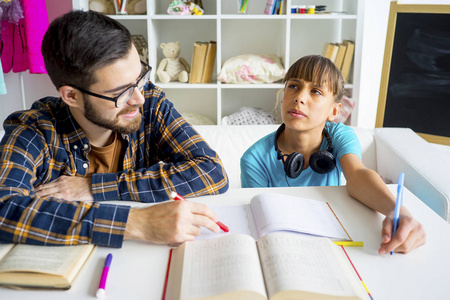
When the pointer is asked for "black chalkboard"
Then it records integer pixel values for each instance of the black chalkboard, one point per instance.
(416, 91)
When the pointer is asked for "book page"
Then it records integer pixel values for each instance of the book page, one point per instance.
(56, 260)
(238, 218)
(219, 266)
(308, 264)
(278, 212)
(4, 249)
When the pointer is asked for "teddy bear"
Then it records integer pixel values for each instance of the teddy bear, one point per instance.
(103, 6)
(172, 67)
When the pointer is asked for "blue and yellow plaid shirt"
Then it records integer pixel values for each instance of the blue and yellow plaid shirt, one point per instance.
(166, 154)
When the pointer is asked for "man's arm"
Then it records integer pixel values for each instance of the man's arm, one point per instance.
(72, 188)
(165, 155)
(168, 155)
(366, 186)
(31, 219)
(27, 218)
(41, 221)
(172, 222)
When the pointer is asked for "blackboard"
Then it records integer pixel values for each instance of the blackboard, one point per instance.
(415, 84)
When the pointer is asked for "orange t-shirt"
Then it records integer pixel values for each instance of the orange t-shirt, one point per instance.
(108, 159)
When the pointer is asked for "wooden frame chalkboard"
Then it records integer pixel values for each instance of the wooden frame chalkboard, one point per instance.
(415, 82)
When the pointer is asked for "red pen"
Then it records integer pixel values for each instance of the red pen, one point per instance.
(175, 196)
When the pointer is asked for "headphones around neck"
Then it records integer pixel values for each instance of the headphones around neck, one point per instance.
(321, 161)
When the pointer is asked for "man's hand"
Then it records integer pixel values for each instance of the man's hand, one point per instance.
(70, 188)
(410, 234)
(169, 223)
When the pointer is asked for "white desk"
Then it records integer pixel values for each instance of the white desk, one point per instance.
(138, 269)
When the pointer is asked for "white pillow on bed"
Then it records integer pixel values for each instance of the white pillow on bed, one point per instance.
(252, 68)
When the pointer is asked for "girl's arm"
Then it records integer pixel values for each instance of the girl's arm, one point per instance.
(366, 186)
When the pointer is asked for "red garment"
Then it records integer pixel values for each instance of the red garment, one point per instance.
(22, 43)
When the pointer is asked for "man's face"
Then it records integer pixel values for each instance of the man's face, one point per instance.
(111, 81)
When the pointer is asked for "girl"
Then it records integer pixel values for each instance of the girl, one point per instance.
(309, 150)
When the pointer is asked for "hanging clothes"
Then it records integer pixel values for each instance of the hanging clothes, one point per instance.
(14, 54)
(22, 41)
(2, 82)
(11, 11)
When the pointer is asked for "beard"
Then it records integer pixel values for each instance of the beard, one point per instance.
(96, 117)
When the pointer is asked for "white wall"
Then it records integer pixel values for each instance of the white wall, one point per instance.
(36, 86)
(376, 15)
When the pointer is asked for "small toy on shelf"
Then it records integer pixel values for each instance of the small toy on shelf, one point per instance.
(178, 7)
(172, 67)
(196, 9)
(185, 7)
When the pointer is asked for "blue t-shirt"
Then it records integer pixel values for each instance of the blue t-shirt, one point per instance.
(261, 168)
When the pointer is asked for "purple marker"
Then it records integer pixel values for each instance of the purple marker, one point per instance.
(101, 286)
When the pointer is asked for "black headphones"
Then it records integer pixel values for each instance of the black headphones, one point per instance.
(321, 161)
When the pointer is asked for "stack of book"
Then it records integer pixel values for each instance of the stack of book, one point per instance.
(274, 7)
(202, 64)
(341, 54)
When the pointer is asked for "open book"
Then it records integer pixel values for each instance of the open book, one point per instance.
(52, 267)
(279, 266)
(270, 212)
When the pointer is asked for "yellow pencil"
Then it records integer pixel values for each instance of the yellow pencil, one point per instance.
(349, 243)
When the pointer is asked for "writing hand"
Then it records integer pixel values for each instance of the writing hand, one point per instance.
(170, 223)
(72, 188)
(410, 234)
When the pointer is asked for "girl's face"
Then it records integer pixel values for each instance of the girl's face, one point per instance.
(306, 106)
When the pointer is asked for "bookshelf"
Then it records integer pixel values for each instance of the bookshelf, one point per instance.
(289, 36)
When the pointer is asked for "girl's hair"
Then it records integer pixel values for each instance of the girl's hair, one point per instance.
(320, 71)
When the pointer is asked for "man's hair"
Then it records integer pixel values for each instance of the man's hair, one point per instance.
(320, 71)
(79, 43)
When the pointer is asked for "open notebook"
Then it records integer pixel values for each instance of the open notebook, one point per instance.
(270, 212)
(279, 266)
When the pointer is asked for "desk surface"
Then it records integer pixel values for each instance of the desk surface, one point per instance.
(138, 268)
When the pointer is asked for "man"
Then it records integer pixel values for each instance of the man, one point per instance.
(112, 135)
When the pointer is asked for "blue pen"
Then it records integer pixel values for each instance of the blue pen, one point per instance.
(398, 204)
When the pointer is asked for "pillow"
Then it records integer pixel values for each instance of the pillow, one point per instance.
(252, 68)
(249, 116)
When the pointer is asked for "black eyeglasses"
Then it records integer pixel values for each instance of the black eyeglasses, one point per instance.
(125, 95)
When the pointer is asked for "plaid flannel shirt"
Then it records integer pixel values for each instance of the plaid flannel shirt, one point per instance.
(166, 154)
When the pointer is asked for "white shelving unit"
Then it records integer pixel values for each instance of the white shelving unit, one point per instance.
(290, 36)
